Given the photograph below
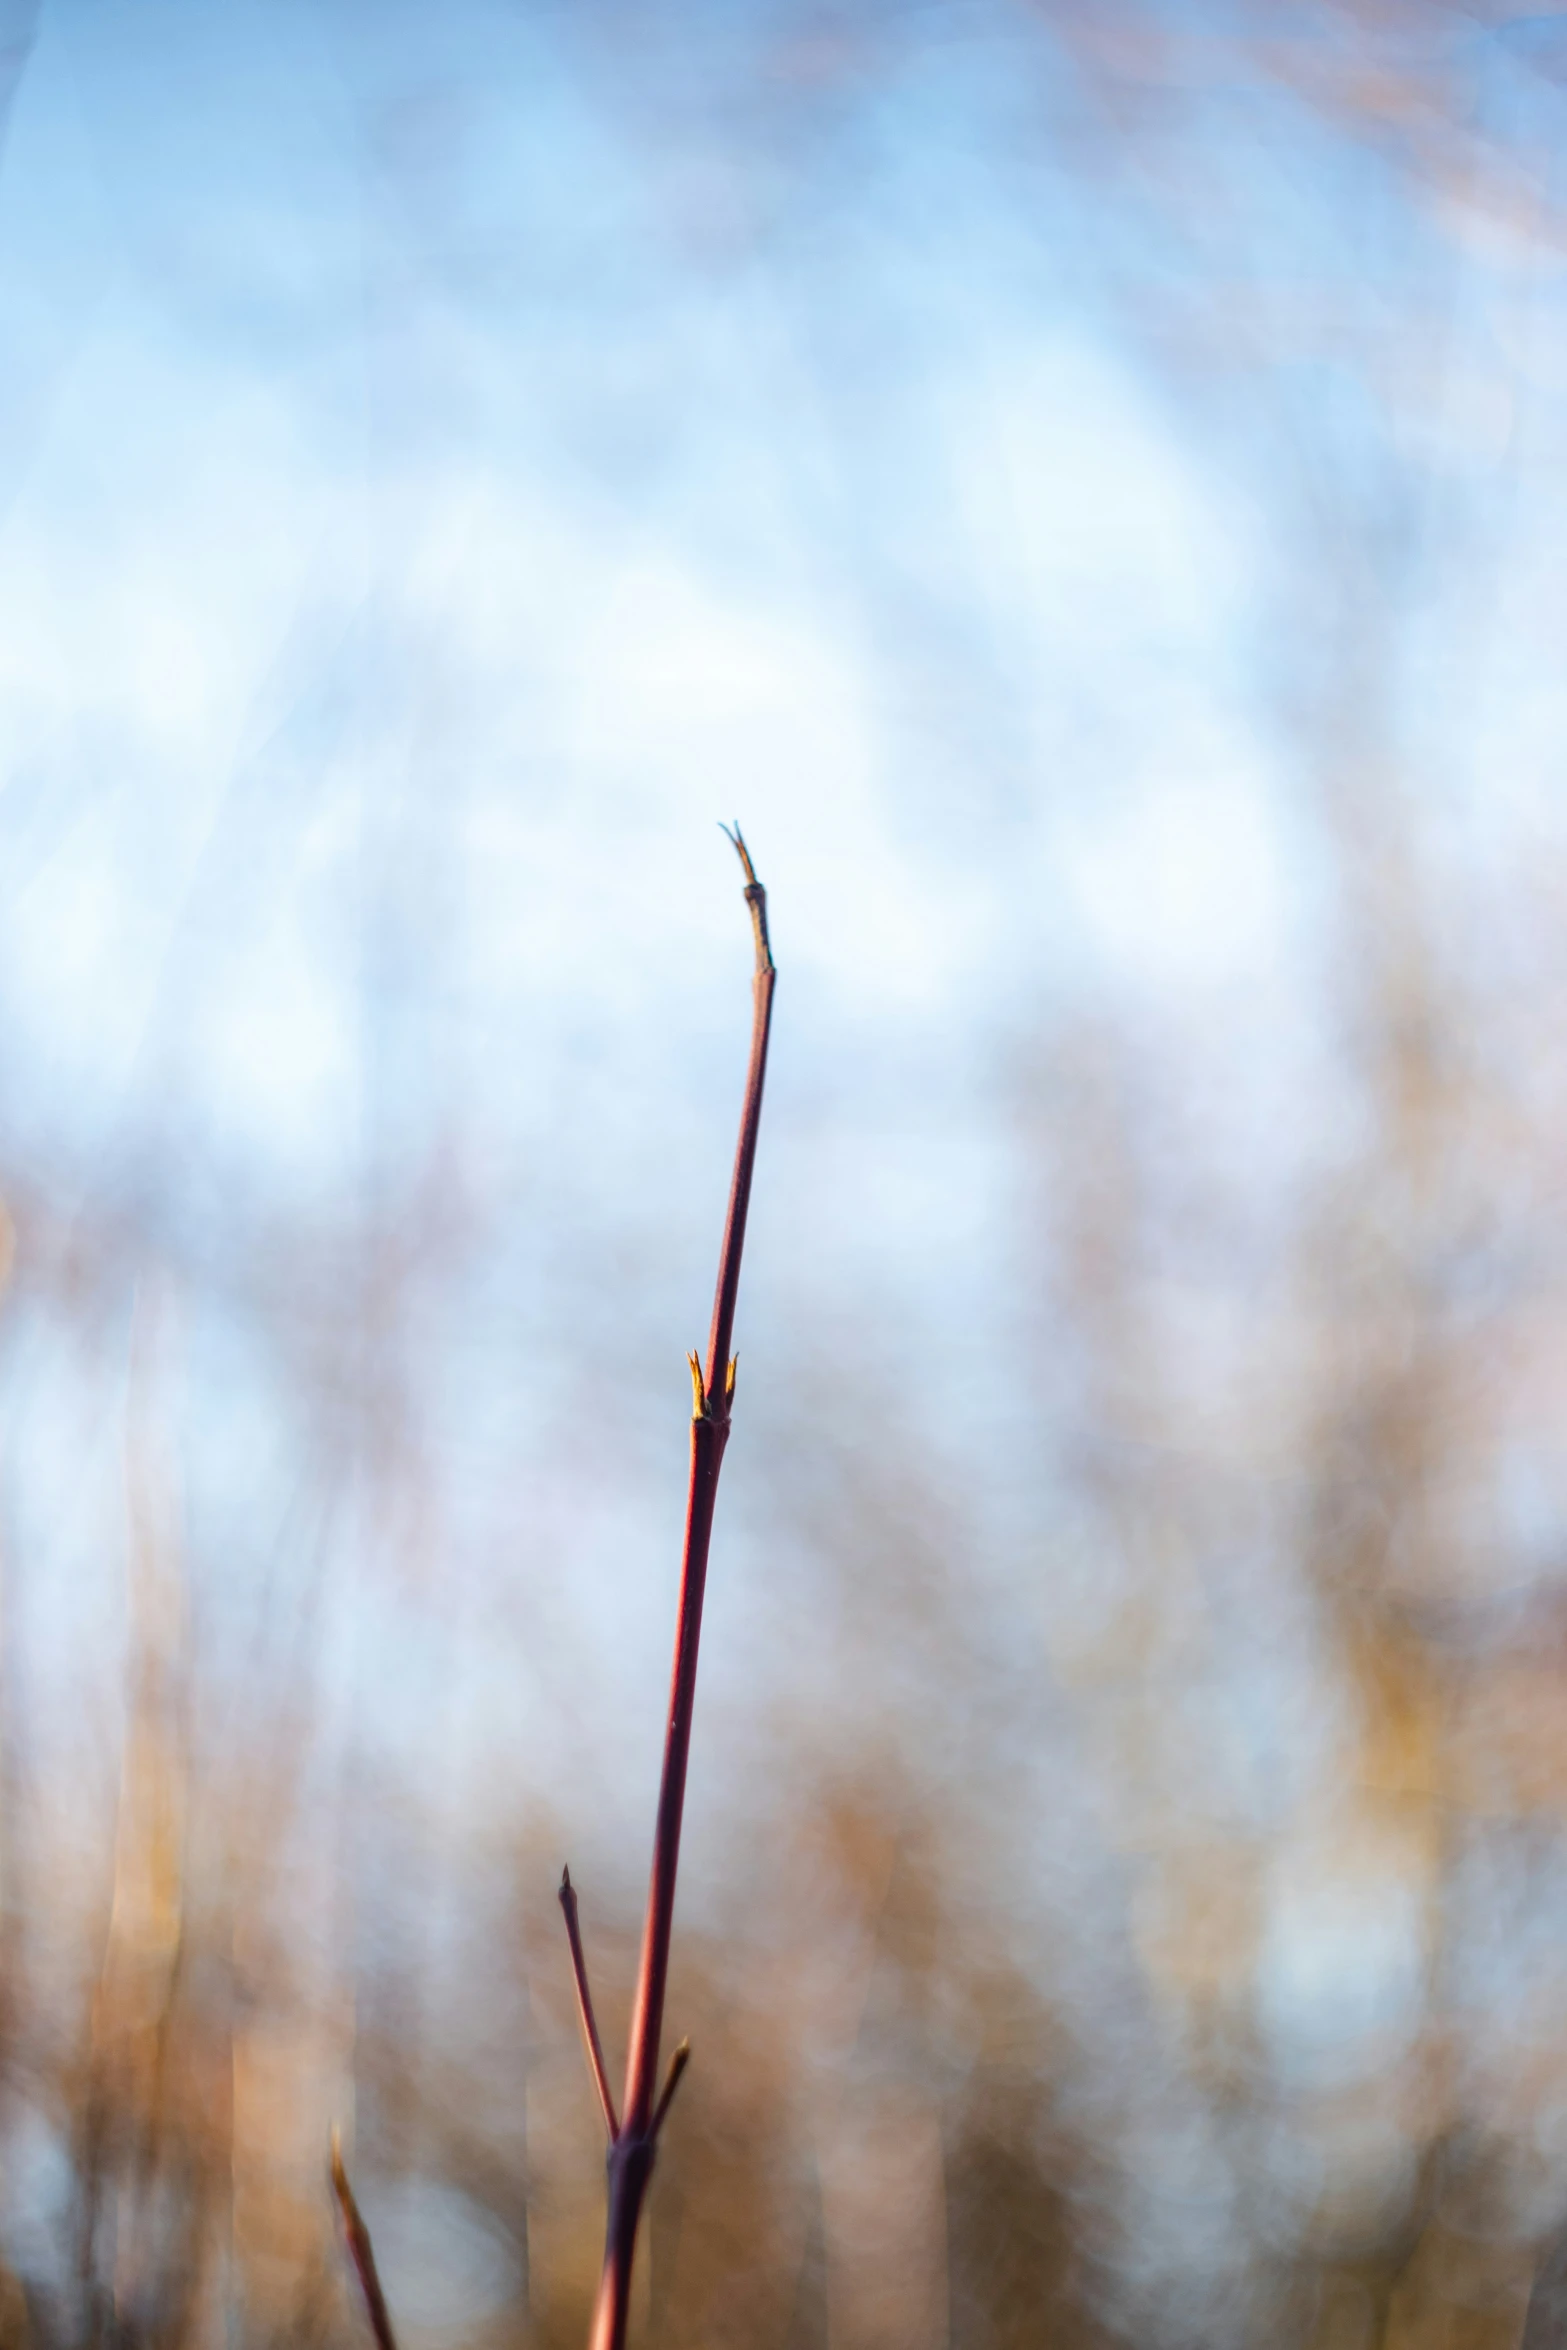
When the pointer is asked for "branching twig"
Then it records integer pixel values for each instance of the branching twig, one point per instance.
(712, 1394)
(633, 2138)
(360, 2250)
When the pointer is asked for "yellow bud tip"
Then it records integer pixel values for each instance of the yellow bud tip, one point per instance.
(729, 1377)
(698, 1390)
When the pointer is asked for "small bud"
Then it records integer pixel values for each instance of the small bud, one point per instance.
(677, 2066)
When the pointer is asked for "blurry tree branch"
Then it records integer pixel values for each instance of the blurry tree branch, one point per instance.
(360, 2250)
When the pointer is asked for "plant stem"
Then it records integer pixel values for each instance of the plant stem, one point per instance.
(632, 2145)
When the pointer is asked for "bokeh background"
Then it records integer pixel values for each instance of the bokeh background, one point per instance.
(1084, 484)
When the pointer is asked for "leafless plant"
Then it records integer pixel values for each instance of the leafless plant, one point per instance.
(633, 2136)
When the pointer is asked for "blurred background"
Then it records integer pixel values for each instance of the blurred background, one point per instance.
(1084, 484)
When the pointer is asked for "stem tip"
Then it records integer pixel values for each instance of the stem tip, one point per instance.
(732, 833)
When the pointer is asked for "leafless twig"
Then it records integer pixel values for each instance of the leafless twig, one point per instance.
(712, 1395)
(632, 2139)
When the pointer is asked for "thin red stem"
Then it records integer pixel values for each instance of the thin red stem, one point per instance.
(631, 2148)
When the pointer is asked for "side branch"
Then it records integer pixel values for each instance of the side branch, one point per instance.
(590, 2030)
